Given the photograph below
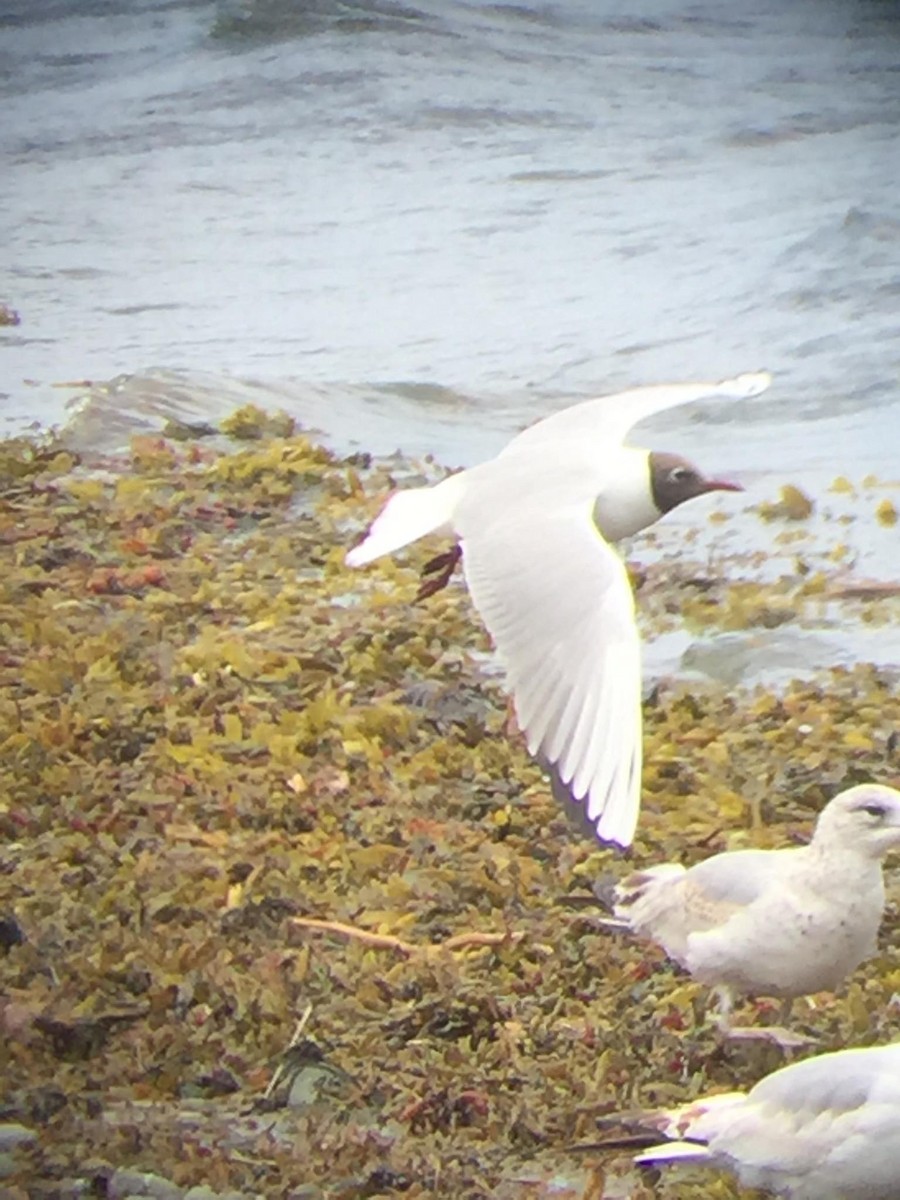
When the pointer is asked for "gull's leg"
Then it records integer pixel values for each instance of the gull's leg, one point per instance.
(441, 567)
(724, 1005)
(776, 1035)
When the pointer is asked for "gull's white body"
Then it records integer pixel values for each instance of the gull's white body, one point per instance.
(827, 1128)
(535, 524)
(775, 922)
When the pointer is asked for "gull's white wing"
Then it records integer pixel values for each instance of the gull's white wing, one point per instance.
(720, 918)
(741, 922)
(611, 417)
(557, 602)
(823, 1129)
(828, 1127)
(737, 877)
(846, 1081)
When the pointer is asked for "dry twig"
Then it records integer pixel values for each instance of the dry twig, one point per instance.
(387, 941)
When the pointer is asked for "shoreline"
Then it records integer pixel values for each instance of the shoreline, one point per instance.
(216, 735)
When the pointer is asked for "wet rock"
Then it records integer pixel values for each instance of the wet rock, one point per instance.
(76, 1189)
(311, 1085)
(203, 1192)
(124, 1184)
(15, 1140)
(775, 657)
(184, 431)
(13, 1135)
(11, 933)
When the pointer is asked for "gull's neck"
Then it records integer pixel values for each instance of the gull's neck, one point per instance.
(624, 504)
(841, 858)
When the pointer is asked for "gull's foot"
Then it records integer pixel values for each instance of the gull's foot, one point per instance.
(441, 567)
(775, 1035)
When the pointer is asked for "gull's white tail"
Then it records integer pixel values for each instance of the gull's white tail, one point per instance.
(643, 897)
(407, 516)
(673, 1152)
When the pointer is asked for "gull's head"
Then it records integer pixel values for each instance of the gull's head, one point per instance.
(674, 479)
(866, 817)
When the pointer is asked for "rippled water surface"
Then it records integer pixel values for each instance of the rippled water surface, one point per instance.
(424, 224)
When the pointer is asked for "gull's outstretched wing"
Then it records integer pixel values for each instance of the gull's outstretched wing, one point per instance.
(556, 600)
(609, 418)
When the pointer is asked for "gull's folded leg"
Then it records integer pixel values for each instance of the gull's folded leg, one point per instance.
(776, 1035)
(724, 1004)
(441, 567)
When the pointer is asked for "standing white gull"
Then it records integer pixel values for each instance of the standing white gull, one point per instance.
(533, 526)
(827, 1128)
(774, 922)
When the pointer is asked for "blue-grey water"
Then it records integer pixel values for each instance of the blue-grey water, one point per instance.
(424, 224)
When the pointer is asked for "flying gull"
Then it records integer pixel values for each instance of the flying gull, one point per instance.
(533, 527)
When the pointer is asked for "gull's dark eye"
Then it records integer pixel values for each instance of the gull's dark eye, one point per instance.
(680, 474)
(875, 810)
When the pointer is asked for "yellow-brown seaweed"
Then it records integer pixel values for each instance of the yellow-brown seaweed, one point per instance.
(221, 751)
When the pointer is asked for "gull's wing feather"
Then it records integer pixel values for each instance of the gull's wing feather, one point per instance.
(408, 515)
(700, 915)
(841, 1082)
(822, 1129)
(609, 418)
(556, 600)
(829, 1125)
(670, 903)
(732, 906)
(737, 877)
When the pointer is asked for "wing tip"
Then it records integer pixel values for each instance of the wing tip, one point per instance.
(359, 556)
(750, 383)
(682, 1151)
(608, 825)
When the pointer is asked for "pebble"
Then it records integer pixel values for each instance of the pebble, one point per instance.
(203, 1192)
(124, 1184)
(75, 1189)
(139, 1185)
(13, 1135)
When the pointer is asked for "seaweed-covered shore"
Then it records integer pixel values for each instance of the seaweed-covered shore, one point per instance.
(285, 909)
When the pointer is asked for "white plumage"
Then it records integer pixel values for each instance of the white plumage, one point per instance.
(775, 922)
(827, 1128)
(534, 525)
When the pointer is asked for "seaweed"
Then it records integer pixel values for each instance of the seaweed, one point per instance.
(245, 788)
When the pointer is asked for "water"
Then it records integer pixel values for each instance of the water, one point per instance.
(422, 225)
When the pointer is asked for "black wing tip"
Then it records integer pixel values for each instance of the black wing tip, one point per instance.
(573, 807)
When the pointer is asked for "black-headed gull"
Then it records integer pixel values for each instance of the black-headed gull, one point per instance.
(827, 1128)
(780, 923)
(534, 526)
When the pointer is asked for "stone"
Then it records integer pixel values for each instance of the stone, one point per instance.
(13, 1135)
(124, 1184)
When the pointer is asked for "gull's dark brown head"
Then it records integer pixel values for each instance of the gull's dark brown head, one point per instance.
(673, 480)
